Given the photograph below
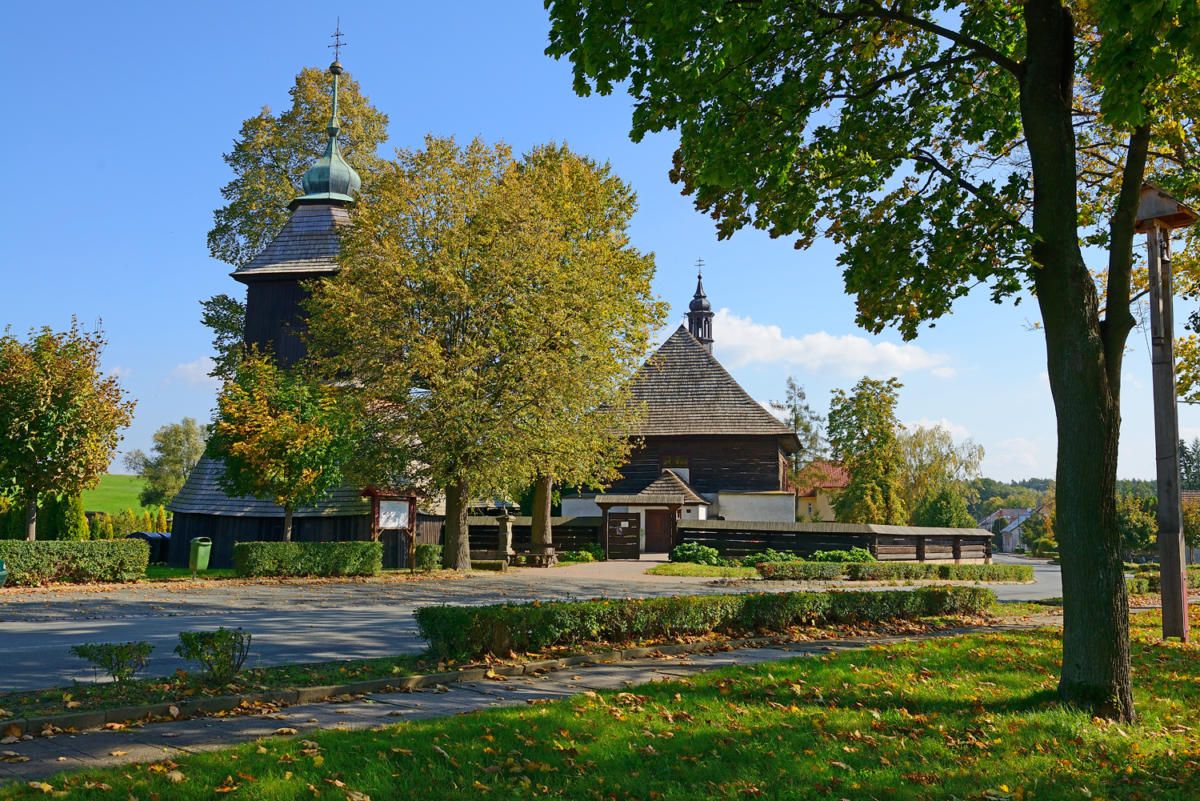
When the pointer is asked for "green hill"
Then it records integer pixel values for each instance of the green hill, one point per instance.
(114, 493)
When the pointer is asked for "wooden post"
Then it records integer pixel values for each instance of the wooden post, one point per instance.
(920, 547)
(1172, 567)
(957, 550)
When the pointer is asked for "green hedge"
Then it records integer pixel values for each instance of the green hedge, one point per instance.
(800, 571)
(884, 571)
(32, 563)
(892, 571)
(1137, 586)
(1153, 578)
(308, 558)
(472, 632)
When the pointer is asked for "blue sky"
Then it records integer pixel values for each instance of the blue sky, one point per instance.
(122, 111)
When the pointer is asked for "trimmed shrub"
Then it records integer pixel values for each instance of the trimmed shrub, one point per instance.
(695, 553)
(354, 558)
(221, 653)
(800, 571)
(118, 659)
(1137, 586)
(427, 556)
(852, 555)
(34, 563)
(769, 555)
(473, 632)
(578, 556)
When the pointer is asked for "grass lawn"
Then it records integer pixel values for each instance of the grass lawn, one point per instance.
(693, 569)
(113, 494)
(164, 573)
(972, 717)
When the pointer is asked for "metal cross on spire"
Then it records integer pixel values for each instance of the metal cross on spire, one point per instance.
(699, 267)
(338, 44)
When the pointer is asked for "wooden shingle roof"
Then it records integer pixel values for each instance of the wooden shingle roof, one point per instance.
(668, 489)
(683, 390)
(201, 494)
(307, 246)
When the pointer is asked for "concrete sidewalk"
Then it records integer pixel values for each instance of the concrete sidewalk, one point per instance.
(41, 757)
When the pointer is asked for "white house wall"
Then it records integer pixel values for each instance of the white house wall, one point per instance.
(758, 507)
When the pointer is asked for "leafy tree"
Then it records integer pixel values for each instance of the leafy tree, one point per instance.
(124, 523)
(225, 316)
(944, 146)
(272, 152)
(1136, 522)
(103, 530)
(931, 460)
(59, 416)
(486, 308)
(864, 436)
(160, 520)
(943, 507)
(1189, 464)
(1038, 535)
(279, 436)
(590, 323)
(177, 447)
(1191, 523)
(810, 429)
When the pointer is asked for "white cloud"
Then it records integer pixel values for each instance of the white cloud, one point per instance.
(120, 371)
(195, 374)
(741, 341)
(1014, 456)
(956, 430)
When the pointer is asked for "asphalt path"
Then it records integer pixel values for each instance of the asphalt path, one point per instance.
(313, 621)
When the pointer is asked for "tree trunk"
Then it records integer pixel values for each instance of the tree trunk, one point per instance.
(287, 524)
(541, 510)
(1084, 380)
(31, 518)
(456, 555)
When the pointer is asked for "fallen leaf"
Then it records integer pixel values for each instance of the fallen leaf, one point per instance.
(175, 777)
(286, 730)
(116, 753)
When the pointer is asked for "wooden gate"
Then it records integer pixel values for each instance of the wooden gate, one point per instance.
(621, 535)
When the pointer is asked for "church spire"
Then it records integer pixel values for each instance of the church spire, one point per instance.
(330, 178)
(700, 311)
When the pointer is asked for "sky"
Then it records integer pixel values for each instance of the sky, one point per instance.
(123, 111)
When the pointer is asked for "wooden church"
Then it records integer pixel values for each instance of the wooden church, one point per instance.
(305, 249)
(706, 449)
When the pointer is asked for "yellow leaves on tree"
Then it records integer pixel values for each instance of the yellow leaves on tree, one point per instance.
(280, 436)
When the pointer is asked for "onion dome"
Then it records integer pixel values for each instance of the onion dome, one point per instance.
(330, 178)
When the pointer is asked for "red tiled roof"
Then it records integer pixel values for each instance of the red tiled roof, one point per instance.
(822, 474)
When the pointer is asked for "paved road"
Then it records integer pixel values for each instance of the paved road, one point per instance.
(307, 621)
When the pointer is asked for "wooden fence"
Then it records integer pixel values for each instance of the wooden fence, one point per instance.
(568, 533)
(886, 543)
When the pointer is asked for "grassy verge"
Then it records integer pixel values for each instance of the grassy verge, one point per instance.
(164, 573)
(82, 697)
(693, 569)
(183, 685)
(114, 493)
(972, 717)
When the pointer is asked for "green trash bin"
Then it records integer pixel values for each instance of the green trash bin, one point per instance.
(3, 573)
(201, 547)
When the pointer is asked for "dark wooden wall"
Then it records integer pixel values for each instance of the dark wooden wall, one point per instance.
(224, 531)
(486, 537)
(275, 320)
(730, 463)
(745, 539)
